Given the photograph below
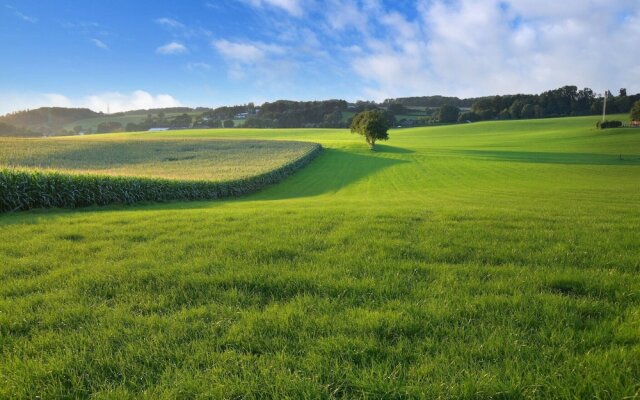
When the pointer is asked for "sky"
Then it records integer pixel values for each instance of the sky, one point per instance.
(119, 55)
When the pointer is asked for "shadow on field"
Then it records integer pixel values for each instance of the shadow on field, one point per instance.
(330, 172)
(383, 148)
(555, 158)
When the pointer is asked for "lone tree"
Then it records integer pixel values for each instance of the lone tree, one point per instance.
(635, 111)
(373, 125)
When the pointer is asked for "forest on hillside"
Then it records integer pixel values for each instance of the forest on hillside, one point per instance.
(335, 113)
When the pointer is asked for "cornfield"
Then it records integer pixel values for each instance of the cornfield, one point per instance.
(27, 189)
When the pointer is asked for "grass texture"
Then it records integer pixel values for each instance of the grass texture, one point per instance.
(494, 260)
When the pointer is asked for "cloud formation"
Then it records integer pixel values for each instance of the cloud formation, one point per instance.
(461, 47)
(99, 44)
(110, 101)
(169, 22)
(351, 49)
(139, 99)
(479, 47)
(246, 52)
(262, 61)
(293, 7)
(172, 48)
(22, 16)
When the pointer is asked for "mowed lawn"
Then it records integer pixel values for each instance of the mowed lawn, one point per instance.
(486, 260)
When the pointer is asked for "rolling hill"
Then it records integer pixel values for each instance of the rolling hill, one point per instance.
(486, 260)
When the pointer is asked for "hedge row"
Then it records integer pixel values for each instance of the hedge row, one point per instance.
(608, 124)
(24, 190)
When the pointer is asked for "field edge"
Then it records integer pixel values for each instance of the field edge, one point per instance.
(28, 189)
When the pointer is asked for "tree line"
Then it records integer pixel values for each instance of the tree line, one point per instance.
(561, 102)
(335, 113)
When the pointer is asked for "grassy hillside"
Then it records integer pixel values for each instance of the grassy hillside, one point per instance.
(488, 260)
(14, 131)
(47, 120)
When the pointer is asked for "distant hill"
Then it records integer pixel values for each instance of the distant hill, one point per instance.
(47, 120)
(403, 111)
(166, 110)
(10, 130)
(59, 121)
(431, 101)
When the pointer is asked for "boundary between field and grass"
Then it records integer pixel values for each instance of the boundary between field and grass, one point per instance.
(28, 189)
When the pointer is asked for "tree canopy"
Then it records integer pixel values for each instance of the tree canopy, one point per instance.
(373, 125)
(448, 113)
(635, 111)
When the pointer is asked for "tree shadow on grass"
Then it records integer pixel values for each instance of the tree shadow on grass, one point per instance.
(383, 148)
(330, 172)
(555, 158)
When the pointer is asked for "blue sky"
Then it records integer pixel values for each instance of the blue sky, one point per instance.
(125, 54)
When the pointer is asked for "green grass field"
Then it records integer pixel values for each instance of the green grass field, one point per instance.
(487, 260)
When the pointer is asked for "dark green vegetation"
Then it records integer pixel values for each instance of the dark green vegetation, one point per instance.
(635, 111)
(46, 120)
(488, 260)
(448, 113)
(608, 124)
(10, 130)
(372, 125)
(404, 112)
(564, 101)
(151, 170)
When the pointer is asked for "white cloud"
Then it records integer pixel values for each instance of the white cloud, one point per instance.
(293, 7)
(56, 100)
(178, 29)
(481, 47)
(10, 102)
(100, 44)
(246, 52)
(345, 14)
(172, 48)
(110, 101)
(198, 66)
(22, 16)
(267, 65)
(172, 23)
(139, 99)
(241, 52)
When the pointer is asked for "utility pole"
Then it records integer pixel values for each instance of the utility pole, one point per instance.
(604, 106)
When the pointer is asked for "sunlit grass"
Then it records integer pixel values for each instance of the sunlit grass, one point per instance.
(489, 260)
